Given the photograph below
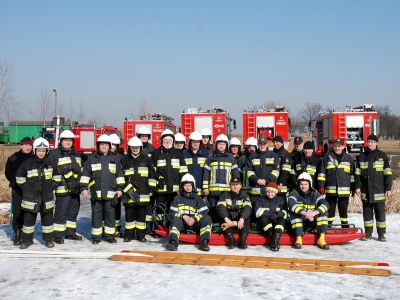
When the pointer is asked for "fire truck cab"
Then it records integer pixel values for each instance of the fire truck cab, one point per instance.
(353, 126)
(217, 120)
(155, 122)
(267, 123)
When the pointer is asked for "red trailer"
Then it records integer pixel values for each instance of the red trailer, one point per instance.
(353, 126)
(155, 122)
(268, 123)
(217, 120)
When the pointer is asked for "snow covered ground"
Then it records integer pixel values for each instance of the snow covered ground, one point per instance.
(44, 278)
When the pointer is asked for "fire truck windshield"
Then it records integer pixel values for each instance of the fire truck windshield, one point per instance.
(45, 135)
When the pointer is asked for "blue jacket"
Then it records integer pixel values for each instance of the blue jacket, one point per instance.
(195, 163)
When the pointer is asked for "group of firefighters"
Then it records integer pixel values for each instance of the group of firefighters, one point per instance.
(193, 187)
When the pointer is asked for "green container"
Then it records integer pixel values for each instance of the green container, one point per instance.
(17, 130)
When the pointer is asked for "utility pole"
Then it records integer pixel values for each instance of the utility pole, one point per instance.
(55, 103)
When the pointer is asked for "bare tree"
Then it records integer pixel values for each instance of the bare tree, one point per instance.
(8, 105)
(81, 113)
(143, 109)
(310, 111)
(45, 106)
(297, 126)
(387, 122)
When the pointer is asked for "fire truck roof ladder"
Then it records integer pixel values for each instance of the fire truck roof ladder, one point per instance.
(342, 126)
(252, 125)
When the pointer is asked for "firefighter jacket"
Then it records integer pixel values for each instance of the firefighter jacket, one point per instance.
(218, 171)
(37, 178)
(67, 161)
(265, 206)
(234, 206)
(262, 165)
(243, 172)
(210, 148)
(302, 164)
(285, 160)
(12, 165)
(170, 167)
(139, 175)
(188, 205)
(335, 174)
(148, 149)
(195, 164)
(103, 175)
(310, 201)
(373, 175)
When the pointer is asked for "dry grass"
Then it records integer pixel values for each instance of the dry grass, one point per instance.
(5, 219)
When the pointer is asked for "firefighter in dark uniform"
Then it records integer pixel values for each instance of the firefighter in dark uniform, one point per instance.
(140, 185)
(285, 160)
(262, 167)
(234, 210)
(38, 177)
(12, 165)
(195, 158)
(235, 148)
(68, 201)
(144, 135)
(170, 167)
(219, 168)
(336, 180)
(271, 212)
(373, 182)
(251, 147)
(115, 142)
(305, 161)
(102, 174)
(188, 211)
(298, 147)
(309, 210)
(180, 142)
(206, 142)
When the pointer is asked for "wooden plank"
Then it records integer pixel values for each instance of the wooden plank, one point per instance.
(206, 261)
(262, 259)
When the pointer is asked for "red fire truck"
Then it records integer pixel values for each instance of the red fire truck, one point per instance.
(85, 137)
(353, 126)
(155, 122)
(217, 120)
(268, 123)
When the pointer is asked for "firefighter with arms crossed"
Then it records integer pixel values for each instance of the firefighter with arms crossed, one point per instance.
(373, 182)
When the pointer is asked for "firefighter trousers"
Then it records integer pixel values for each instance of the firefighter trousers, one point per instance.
(369, 209)
(342, 204)
(65, 214)
(135, 221)
(149, 214)
(178, 225)
(300, 225)
(18, 213)
(244, 231)
(213, 200)
(29, 225)
(267, 225)
(102, 208)
(117, 208)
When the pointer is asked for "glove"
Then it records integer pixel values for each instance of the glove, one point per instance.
(274, 217)
(321, 191)
(225, 226)
(133, 195)
(114, 200)
(161, 183)
(124, 198)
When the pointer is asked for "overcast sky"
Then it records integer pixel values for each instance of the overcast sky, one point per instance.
(113, 55)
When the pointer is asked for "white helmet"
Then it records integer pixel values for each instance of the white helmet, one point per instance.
(251, 141)
(206, 132)
(67, 134)
(135, 142)
(143, 131)
(179, 137)
(41, 143)
(222, 138)
(115, 140)
(195, 136)
(188, 178)
(235, 142)
(306, 177)
(167, 132)
(104, 138)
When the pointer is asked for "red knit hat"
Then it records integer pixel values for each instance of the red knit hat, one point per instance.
(272, 187)
(26, 141)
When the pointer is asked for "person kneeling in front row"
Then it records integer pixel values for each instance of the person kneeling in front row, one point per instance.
(188, 211)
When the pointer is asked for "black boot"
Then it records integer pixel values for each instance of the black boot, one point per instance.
(275, 240)
(172, 246)
(17, 237)
(232, 241)
(204, 246)
(242, 243)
